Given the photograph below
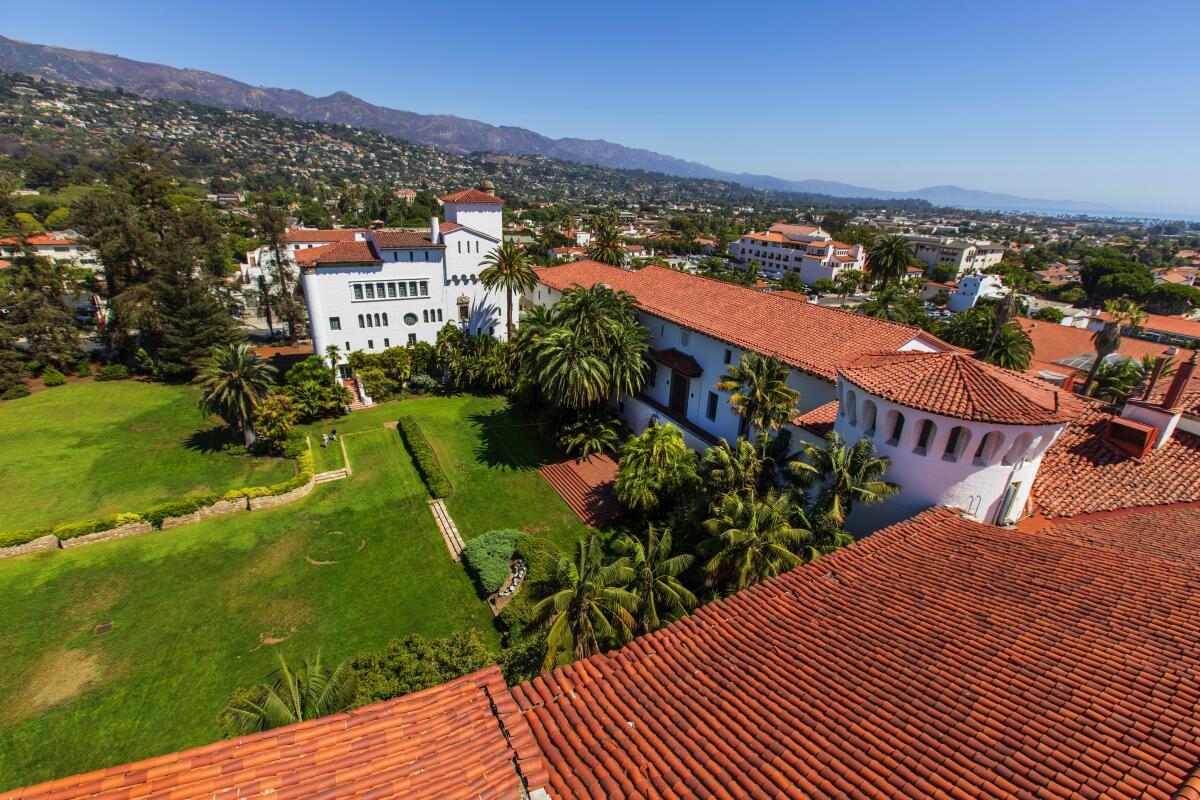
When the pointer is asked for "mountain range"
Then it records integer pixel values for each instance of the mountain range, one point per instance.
(101, 71)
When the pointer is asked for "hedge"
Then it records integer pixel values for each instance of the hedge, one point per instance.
(52, 377)
(112, 372)
(69, 530)
(157, 514)
(14, 538)
(422, 455)
(304, 461)
(488, 558)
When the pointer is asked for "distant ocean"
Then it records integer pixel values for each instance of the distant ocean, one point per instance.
(1097, 213)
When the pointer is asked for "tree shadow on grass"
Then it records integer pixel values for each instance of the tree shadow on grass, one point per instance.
(508, 439)
(211, 440)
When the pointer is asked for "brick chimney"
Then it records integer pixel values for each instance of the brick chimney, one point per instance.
(1163, 417)
(1173, 401)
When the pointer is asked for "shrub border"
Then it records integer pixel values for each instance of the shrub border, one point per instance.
(424, 458)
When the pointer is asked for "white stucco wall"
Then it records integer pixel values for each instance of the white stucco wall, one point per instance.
(485, 218)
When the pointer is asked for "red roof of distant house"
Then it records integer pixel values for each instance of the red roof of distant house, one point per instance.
(40, 240)
(1054, 342)
(820, 420)
(1158, 322)
(936, 658)
(587, 486)
(1081, 473)
(472, 197)
(806, 336)
(401, 239)
(338, 253)
(462, 739)
(329, 235)
(795, 230)
(960, 386)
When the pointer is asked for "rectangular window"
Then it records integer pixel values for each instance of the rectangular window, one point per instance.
(370, 290)
(370, 344)
(403, 289)
(685, 337)
(711, 410)
(412, 289)
(424, 288)
(464, 312)
(380, 289)
(335, 323)
(652, 377)
(357, 291)
(412, 339)
(391, 290)
(387, 343)
(347, 348)
(460, 247)
(412, 255)
(728, 356)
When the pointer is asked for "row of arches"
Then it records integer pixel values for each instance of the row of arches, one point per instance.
(960, 445)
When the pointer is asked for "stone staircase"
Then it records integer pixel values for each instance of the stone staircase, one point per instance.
(450, 534)
(332, 475)
(356, 402)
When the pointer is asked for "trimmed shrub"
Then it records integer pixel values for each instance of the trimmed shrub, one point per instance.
(52, 377)
(304, 465)
(14, 538)
(422, 384)
(423, 457)
(158, 514)
(69, 530)
(15, 392)
(541, 563)
(414, 663)
(112, 372)
(487, 558)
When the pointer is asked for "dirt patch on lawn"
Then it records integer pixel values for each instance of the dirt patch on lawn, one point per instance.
(57, 677)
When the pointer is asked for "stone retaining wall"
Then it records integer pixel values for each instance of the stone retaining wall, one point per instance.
(217, 509)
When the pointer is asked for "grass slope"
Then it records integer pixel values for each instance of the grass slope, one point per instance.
(88, 449)
(200, 610)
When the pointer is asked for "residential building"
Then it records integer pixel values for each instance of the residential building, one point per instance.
(394, 288)
(963, 256)
(971, 288)
(581, 238)
(803, 249)
(936, 658)
(571, 253)
(57, 246)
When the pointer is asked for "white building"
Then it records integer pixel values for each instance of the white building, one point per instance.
(394, 288)
(971, 288)
(698, 326)
(66, 246)
(960, 255)
(804, 249)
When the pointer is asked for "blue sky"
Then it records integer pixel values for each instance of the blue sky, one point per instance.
(1088, 100)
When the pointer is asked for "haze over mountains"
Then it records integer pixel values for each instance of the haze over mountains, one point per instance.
(100, 71)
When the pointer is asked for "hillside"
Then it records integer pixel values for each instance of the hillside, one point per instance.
(455, 134)
(256, 150)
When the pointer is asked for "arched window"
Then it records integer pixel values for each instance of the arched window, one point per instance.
(1019, 447)
(989, 446)
(895, 427)
(376, 320)
(360, 321)
(956, 443)
(385, 319)
(925, 434)
(852, 408)
(869, 413)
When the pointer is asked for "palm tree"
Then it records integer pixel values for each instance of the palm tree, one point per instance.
(570, 371)
(653, 467)
(888, 258)
(334, 354)
(291, 696)
(1107, 340)
(1116, 381)
(652, 574)
(752, 539)
(590, 433)
(508, 268)
(760, 393)
(597, 312)
(232, 382)
(627, 364)
(1011, 347)
(843, 475)
(607, 247)
(590, 607)
(731, 468)
(884, 303)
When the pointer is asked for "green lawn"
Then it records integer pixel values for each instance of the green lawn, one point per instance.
(200, 610)
(88, 449)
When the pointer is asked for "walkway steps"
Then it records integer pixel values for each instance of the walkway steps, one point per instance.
(332, 475)
(450, 534)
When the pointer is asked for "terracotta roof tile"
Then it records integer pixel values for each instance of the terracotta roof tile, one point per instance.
(1054, 342)
(472, 197)
(806, 336)
(587, 487)
(1081, 473)
(960, 386)
(328, 235)
(338, 253)
(463, 739)
(936, 658)
(679, 361)
(402, 239)
(820, 420)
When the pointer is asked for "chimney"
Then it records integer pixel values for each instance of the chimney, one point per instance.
(434, 230)
(1179, 385)
(1159, 363)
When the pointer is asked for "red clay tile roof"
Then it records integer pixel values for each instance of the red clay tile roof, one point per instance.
(40, 240)
(330, 235)
(338, 253)
(678, 361)
(1054, 342)
(806, 336)
(1158, 322)
(463, 739)
(1174, 533)
(820, 420)
(401, 239)
(960, 386)
(936, 658)
(587, 487)
(1082, 474)
(472, 197)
